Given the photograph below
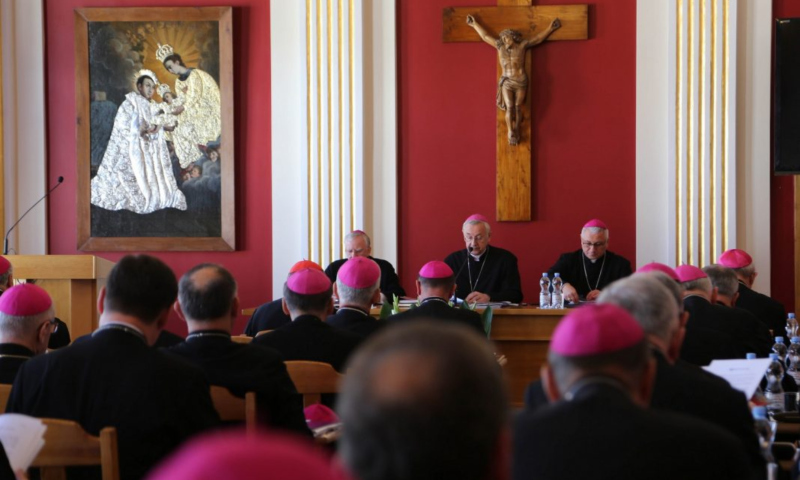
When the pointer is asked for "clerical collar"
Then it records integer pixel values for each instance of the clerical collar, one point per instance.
(696, 295)
(355, 309)
(122, 327)
(434, 299)
(594, 380)
(478, 257)
(15, 350)
(208, 334)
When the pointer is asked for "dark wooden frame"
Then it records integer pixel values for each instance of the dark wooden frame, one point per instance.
(227, 240)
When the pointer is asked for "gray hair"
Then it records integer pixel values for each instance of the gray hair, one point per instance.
(674, 288)
(723, 278)
(648, 301)
(745, 271)
(23, 326)
(703, 284)
(595, 230)
(4, 277)
(357, 296)
(358, 233)
(477, 222)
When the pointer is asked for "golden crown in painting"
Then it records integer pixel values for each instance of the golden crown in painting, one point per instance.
(163, 51)
(145, 73)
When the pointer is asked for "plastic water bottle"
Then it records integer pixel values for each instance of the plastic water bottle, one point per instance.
(774, 390)
(558, 295)
(544, 295)
(791, 352)
(780, 349)
(791, 326)
(758, 397)
(765, 432)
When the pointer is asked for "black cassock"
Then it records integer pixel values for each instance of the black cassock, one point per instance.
(571, 268)
(495, 274)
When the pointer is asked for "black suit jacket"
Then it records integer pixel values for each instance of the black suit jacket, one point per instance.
(390, 284)
(602, 434)
(12, 356)
(247, 368)
(496, 274)
(748, 333)
(570, 267)
(435, 308)
(765, 308)
(155, 401)
(268, 316)
(355, 321)
(309, 338)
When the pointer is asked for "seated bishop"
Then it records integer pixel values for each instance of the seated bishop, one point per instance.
(586, 271)
(358, 244)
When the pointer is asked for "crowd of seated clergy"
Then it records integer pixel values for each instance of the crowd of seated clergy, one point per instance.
(423, 396)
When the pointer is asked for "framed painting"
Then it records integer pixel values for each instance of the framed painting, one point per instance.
(154, 102)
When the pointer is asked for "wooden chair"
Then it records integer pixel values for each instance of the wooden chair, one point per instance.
(234, 409)
(312, 379)
(262, 332)
(66, 444)
(241, 339)
(5, 392)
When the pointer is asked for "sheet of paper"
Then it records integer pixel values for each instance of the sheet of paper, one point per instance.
(22, 438)
(744, 375)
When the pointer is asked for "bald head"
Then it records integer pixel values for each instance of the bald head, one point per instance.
(207, 292)
(422, 401)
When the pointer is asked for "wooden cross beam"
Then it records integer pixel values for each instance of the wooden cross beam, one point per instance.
(514, 161)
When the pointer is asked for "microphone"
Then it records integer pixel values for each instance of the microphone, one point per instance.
(5, 241)
(469, 250)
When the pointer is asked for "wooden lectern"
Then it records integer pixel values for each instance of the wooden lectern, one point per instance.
(73, 281)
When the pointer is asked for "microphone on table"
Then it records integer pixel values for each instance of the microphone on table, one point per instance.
(5, 241)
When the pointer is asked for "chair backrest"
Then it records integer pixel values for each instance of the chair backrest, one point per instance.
(66, 444)
(241, 338)
(312, 379)
(234, 409)
(5, 392)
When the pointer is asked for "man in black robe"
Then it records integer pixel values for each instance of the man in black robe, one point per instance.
(308, 298)
(357, 287)
(484, 273)
(270, 315)
(27, 320)
(116, 378)
(598, 379)
(586, 271)
(358, 244)
(435, 285)
(766, 309)
(207, 301)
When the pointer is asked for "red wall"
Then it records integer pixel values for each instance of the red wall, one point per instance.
(782, 208)
(251, 262)
(583, 141)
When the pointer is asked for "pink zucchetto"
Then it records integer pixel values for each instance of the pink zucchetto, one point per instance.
(236, 454)
(436, 269)
(4, 265)
(25, 300)
(308, 281)
(358, 232)
(595, 330)
(689, 273)
(359, 272)
(476, 217)
(302, 264)
(596, 223)
(659, 267)
(735, 258)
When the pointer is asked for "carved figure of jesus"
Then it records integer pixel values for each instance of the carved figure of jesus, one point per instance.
(512, 87)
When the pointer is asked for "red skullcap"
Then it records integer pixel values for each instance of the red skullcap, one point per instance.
(476, 217)
(659, 267)
(596, 223)
(308, 281)
(4, 265)
(304, 264)
(436, 269)
(594, 330)
(735, 258)
(359, 272)
(688, 273)
(24, 300)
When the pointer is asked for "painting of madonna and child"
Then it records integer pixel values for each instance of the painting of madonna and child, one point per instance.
(157, 136)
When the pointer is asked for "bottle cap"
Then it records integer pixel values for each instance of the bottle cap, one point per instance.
(791, 315)
(760, 413)
(778, 339)
(795, 340)
(773, 356)
(751, 356)
(544, 274)
(556, 274)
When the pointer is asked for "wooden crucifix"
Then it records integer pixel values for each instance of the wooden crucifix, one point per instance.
(532, 25)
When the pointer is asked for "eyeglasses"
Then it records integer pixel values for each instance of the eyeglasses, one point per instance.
(53, 325)
(595, 244)
(477, 238)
